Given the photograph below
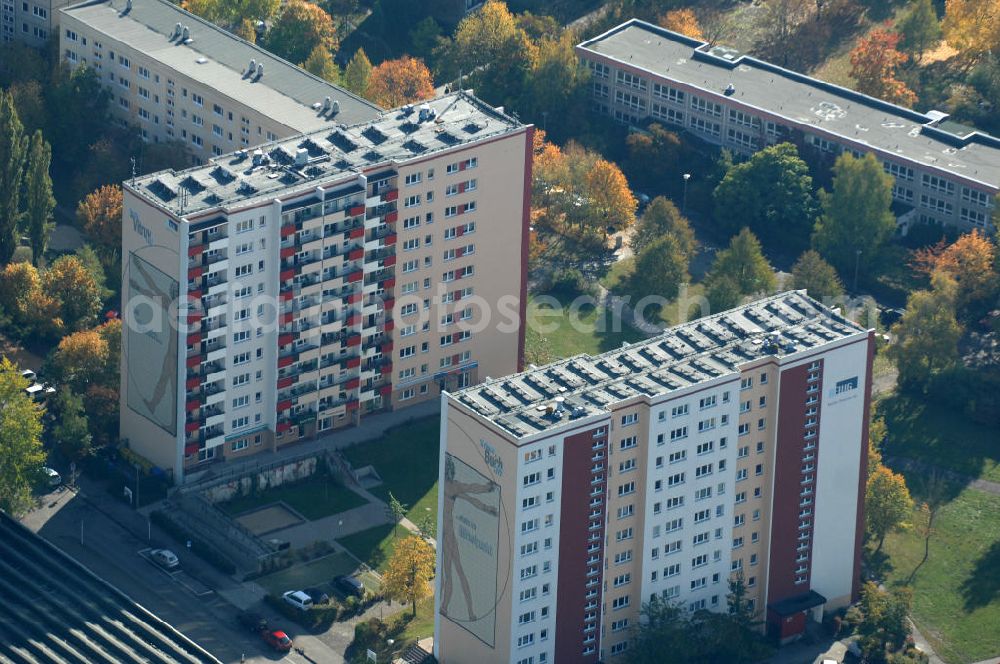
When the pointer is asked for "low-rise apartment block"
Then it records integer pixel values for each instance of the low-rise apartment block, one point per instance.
(572, 493)
(944, 172)
(178, 77)
(274, 294)
(29, 21)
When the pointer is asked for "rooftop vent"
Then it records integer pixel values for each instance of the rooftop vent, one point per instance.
(426, 113)
(327, 102)
(178, 28)
(260, 69)
(128, 6)
(252, 67)
(730, 89)
(185, 34)
(335, 107)
(301, 157)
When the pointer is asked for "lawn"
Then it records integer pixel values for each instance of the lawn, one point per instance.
(375, 545)
(573, 330)
(318, 572)
(315, 497)
(957, 591)
(421, 626)
(940, 436)
(407, 460)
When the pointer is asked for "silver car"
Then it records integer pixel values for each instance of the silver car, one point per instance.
(165, 558)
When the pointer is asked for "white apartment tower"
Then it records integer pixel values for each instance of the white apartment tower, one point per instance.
(571, 494)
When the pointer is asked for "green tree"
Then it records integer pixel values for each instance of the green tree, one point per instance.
(884, 623)
(743, 262)
(557, 87)
(300, 28)
(69, 283)
(816, 276)
(927, 335)
(71, 431)
(13, 151)
(424, 37)
(498, 53)
(357, 72)
(20, 440)
(398, 511)
(856, 219)
(320, 63)
(919, 29)
(660, 269)
(38, 200)
(887, 504)
(771, 193)
(663, 622)
(722, 293)
(656, 157)
(661, 217)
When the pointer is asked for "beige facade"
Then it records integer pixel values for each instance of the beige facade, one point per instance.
(733, 445)
(32, 22)
(198, 89)
(318, 287)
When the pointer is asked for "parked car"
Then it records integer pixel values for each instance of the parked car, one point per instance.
(29, 375)
(277, 639)
(298, 599)
(165, 558)
(52, 478)
(252, 621)
(318, 595)
(350, 585)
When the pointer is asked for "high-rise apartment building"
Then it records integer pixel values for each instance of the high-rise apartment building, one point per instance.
(572, 493)
(178, 77)
(274, 294)
(944, 172)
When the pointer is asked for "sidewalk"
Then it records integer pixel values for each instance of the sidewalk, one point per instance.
(372, 428)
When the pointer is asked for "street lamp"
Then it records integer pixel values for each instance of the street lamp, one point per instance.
(684, 201)
(857, 263)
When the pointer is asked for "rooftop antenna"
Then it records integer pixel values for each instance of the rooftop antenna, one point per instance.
(132, 159)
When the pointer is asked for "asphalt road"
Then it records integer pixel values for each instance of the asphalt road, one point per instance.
(113, 546)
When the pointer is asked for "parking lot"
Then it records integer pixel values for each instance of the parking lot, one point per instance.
(115, 542)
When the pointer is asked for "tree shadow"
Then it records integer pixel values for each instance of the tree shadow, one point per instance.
(877, 564)
(983, 585)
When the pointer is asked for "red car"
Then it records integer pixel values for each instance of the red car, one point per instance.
(277, 640)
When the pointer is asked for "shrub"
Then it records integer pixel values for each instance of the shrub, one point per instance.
(316, 618)
(568, 281)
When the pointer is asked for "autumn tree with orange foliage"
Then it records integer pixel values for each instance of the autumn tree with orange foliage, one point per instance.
(970, 262)
(683, 21)
(972, 27)
(80, 358)
(401, 81)
(874, 65)
(100, 214)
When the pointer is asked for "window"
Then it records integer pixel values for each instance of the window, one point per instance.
(197, 99)
(622, 580)
(628, 443)
(677, 457)
(619, 602)
(631, 80)
(678, 411)
(675, 502)
(938, 184)
(977, 197)
(678, 434)
(624, 534)
(623, 557)
(675, 479)
(707, 402)
(628, 420)
(705, 448)
(411, 201)
(626, 488)
(706, 127)
(668, 93)
(705, 106)
(626, 466)
(898, 171)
